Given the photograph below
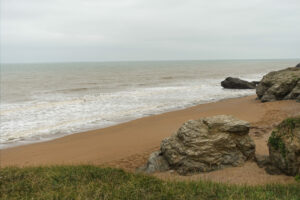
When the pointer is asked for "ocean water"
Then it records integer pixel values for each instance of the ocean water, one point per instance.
(43, 101)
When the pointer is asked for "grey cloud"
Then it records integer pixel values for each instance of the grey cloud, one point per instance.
(91, 30)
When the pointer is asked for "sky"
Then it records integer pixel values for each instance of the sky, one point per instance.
(116, 30)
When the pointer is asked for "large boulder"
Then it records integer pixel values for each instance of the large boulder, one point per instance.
(205, 145)
(298, 65)
(280, 85)
(284, 147)
(236, 83)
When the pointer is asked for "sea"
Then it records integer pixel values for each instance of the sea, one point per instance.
(43, 101)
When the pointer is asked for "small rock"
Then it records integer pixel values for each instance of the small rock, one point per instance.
(156, 162)
(236, 83)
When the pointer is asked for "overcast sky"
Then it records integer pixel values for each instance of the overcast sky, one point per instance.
(108, 30)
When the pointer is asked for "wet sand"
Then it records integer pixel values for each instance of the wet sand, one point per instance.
(128, 145)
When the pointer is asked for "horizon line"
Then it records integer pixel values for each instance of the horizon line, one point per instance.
(158, 60)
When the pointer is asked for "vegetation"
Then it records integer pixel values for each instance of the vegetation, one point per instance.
(289, 124)
(284, 129)
(297, 177)
(276, 142)
(91, 182)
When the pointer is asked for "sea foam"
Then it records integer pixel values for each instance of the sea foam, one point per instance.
(72, 104)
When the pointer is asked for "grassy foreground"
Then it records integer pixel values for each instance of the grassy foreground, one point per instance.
(91, 182)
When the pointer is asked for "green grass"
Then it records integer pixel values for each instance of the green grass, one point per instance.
(277, 143)
(91, 182)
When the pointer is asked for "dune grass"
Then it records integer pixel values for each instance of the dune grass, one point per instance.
(91, 182)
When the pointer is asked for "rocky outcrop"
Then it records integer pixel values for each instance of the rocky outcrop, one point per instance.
(280, 85)
(298, 65)
(204, 145)
(284, 148)
(236, 83)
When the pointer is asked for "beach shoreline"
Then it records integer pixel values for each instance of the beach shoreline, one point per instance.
(86, 96)
(31, 141)
(129, 144)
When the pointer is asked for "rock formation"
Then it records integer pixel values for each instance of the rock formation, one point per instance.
(280, 85)
(236, 83)
(156, 163)
(204, 145)
(284, 148)
(298, 65)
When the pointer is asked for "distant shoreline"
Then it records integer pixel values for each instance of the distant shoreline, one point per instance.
(163, 60)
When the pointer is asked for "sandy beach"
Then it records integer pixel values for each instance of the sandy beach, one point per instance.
(128, 145)
(149, 100)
